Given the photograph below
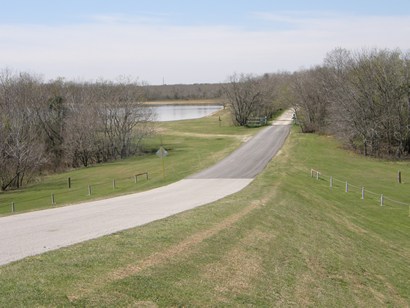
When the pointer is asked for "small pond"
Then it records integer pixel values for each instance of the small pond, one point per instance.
(183, 112)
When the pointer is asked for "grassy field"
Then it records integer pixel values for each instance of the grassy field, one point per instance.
(190, 150)
(285, 240)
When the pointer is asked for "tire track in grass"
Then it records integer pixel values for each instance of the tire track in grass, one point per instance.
(183, 248)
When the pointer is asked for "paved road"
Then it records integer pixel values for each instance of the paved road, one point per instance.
(37, 232)
(251, 158)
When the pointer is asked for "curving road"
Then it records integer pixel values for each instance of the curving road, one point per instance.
(37, 232)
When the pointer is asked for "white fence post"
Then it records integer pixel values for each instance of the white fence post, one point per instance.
(362, 193)
(331, 182)
(381, 200)
(347, 187)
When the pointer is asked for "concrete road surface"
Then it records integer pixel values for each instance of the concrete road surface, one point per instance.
(33, 233)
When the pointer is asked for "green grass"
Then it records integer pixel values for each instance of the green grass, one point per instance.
(192, 145)
(285, 240)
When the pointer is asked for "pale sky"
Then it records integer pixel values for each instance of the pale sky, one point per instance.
(189, 41)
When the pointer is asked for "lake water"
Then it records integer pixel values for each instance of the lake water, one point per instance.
(183, 112)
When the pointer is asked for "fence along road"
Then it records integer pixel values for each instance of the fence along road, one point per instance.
(33, 233)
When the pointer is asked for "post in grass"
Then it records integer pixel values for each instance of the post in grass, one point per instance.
(313, 171)
(331, 182)
(53, 201)
(362, 193)
(13, 207)
(381, 200)
(347, 187)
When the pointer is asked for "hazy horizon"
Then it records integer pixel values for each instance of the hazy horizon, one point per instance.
(185, 42)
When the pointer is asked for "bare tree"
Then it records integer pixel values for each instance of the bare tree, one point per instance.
(245, 97)
(83, 129)
(370, 99)
(124, 118)
(21, 153)
(311, 99)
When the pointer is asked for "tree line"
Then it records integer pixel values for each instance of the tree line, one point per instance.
(52, 126)
(56, 125)
(250, 96)
(183, 91)
(362, 97)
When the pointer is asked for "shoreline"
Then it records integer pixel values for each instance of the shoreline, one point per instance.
(185, 102)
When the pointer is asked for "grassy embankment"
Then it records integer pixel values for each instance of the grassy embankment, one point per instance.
(285, 240)
(192, 145)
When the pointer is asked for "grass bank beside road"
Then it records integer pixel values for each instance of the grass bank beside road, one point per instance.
(192, 145)
(285, 240)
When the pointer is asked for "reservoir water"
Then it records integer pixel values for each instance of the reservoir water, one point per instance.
(183, 112)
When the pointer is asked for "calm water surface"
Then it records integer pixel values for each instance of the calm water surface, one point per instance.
(183, 112)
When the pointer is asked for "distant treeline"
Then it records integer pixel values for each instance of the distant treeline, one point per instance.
(183, 92)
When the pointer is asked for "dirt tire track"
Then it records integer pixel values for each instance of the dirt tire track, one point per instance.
(161, 257)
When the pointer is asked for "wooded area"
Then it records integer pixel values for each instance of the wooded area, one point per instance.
(362, 97)
(53, 126)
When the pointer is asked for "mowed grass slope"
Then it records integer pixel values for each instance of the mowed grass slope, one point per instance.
(285, 240)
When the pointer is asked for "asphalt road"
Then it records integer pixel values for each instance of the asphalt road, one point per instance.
(33, 233)
(249, 159)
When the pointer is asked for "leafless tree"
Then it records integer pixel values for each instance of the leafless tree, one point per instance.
(370, 99)
(21, 153)
(83, 129)
(124, 118)
(311, 99)
(245, 97)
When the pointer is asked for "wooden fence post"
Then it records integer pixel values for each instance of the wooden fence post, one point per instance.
(69, 183)
(381, 200)
(399, 177)
(53, 201)
(331, 182)
(89, 190)
(113, 184)
(13, 208)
